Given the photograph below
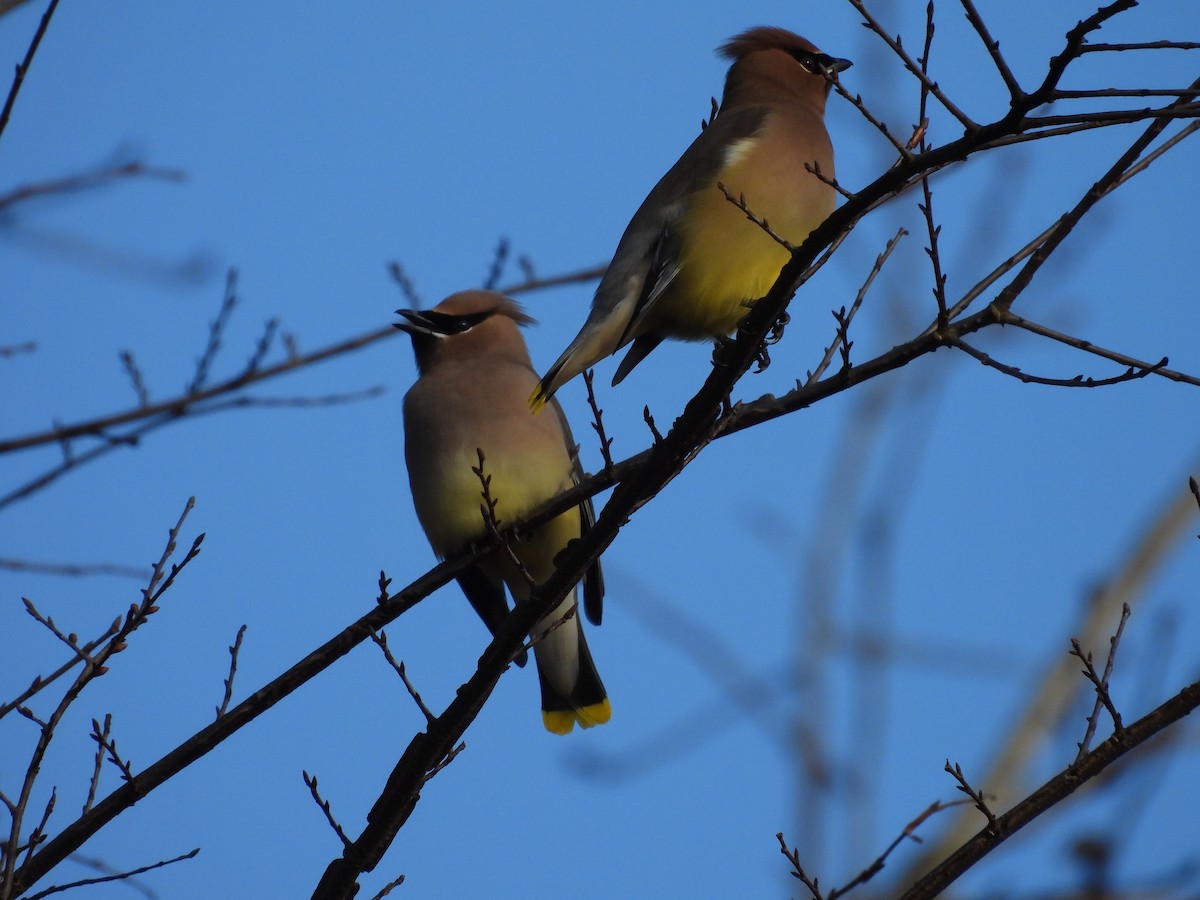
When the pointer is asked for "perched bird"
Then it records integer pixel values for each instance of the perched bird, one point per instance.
(689, 261)
(470, 397)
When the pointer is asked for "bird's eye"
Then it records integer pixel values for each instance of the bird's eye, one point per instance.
(808, 61)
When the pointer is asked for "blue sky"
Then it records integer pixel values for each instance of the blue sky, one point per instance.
(321, 142)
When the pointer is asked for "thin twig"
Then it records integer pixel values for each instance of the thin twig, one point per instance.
(1123, 92)
(71, 640)
(1078, 381)
(311, 782)
(977, 797)
(75, 570)
(380, 639)
(23, 66)
(234, 649)
(407, 288)
(387, 888)
(845, 318)
(87, 181)
(793, 857)
(740, 203)
(117, 877)
(649, 420)
(499, 258)
(909, 833)
(1159, 368)
(856, 101)
(530, 283)
(598, 420)
(814, 169)
(1144, 45)
(1025, 252)
(262, 348)
(444, 761)
(215, 330)
(135, 376)
(39, 683)
(176, 406)
(103, 733)
(993, 49)
(38, 835)
(894, 45)
(492, 523)
(1100, 683)
(7, 351)
(107, 744)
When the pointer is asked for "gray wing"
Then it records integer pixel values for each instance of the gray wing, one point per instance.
(647, 256)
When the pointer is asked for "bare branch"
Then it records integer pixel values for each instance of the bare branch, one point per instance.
(926, 83)
(876, 866)
(1053, 792)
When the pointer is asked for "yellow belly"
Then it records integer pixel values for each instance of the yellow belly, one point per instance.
(725, 259)
(450, 506)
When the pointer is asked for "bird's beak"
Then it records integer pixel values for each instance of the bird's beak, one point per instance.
(831, 65)
(417, 322)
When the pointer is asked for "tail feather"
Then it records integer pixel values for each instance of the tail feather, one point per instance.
(587, 703)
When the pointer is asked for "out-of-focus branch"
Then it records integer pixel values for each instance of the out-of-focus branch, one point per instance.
(1053, 792)
(1060, 685)
(179, 405)
(87, 180)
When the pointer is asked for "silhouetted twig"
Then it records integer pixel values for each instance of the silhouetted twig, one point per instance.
(311, 782)
(380, 639)
(1100, 683)
(23, 66)
(120, 876)
(598, 420)
(234, 648)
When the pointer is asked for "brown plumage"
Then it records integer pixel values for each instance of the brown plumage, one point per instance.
(690, 261)
(475, 376)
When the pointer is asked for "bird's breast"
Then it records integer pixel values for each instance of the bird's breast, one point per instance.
(725, 258)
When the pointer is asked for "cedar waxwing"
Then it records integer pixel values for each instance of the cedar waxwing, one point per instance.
(470, 395)
(690, 262)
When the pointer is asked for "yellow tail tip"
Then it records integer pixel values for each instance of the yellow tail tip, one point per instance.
(538, 399)
(562, 721)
